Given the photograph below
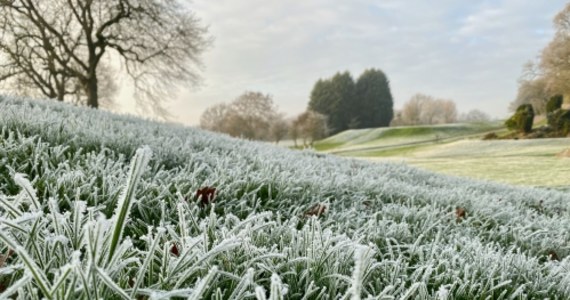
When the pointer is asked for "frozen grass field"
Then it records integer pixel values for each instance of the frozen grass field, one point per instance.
(532, 162)
(99, 206)
(460, 151)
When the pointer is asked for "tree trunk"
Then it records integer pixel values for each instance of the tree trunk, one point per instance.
(60, 90)
(91, 91)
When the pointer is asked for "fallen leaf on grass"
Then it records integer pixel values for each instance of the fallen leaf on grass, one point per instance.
(4, 258)
(460, 213)
(174, 250)
(553, 256)
(206, 195)
(317, 210)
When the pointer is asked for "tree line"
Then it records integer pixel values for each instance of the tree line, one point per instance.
(336, 104)
(254, 116)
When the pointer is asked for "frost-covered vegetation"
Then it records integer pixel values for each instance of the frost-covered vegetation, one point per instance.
(98, 206)
(401, 136)
(531, 162)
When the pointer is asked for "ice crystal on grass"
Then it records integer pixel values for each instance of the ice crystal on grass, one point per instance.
(27, 189)
(127, 197)
(362, 260)
(88, 215)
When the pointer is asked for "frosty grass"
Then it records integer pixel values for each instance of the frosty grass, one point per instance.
(99, 206)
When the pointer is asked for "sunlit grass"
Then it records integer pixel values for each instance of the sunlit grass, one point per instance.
(521, 162)
(354, 140)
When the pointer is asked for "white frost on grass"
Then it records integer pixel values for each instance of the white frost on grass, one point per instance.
(171, 245)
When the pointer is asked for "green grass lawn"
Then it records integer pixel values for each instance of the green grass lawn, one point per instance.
(352, 140)
(457, 149)
(520, 162)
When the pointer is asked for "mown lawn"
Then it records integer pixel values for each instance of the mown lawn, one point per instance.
(352, 140)
(520, 162)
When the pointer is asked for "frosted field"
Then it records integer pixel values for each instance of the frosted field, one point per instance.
(98, 206)
(522, 162)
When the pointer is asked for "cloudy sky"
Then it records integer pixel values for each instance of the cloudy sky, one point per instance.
(470, 51)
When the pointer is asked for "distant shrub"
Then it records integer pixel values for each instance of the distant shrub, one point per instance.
(490, 136)
(553, 110)
(560, 122)
(522, 120)
(555, 103)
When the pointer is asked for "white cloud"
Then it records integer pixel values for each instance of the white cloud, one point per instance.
(483, 21)
(469, 51)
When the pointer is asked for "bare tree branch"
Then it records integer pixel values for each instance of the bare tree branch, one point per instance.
(59, 46)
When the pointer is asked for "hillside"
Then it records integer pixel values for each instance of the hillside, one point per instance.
(99, 206)
(533, 162)
(460, 151)
(403, 136)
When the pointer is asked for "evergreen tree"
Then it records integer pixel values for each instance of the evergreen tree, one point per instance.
(374, 104)
(345, 90)
(332, 98)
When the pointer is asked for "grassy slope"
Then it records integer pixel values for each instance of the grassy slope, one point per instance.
(521, 162)
(396, 136)
(388, 231)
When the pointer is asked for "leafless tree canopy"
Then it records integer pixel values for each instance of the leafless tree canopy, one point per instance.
(63, 48)
(550, 74)
(309, 126)
(425, 109)
(474, 116)
(534, 91)
(279, 128)
(554, 60)
(251, 116)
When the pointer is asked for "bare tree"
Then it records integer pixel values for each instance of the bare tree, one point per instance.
(556, 65)
(412, 110)
(425, 109)
(294, 132)
(251, 116)
(214, 118)
(550, 74)
(278, 128)
(447, 111)
(532, 91)
(474, 116)
(554, 59)
(310, 126)
(57, 47)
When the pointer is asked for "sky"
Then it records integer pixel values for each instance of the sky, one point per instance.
(469, 51)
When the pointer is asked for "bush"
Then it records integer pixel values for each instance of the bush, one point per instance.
(552, 109)
(490, 136)
(555, 103)
(522, 120)
(564, 122)
(560, 122)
